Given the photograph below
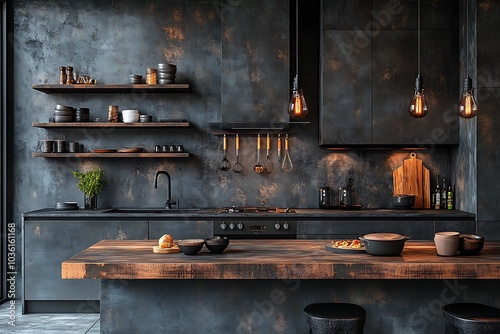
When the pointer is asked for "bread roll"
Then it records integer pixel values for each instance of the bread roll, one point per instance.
(166, 241)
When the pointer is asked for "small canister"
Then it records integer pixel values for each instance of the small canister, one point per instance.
(151, 76)
(325, 197)
(62, 75)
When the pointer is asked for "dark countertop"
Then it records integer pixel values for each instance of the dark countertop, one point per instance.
(277, 259)
(300, 214)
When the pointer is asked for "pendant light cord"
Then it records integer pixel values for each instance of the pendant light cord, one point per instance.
(418, 37)
(297, 38)
(467, 39)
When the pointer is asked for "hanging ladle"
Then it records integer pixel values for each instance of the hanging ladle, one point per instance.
(237, 168)
(258, 168)
(225, 165)
(268, 165)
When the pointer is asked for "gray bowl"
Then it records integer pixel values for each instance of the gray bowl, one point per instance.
(61, 107)
(164, 66)
(165, 81)
(168, 76)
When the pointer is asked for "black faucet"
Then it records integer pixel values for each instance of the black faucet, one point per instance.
(170, 199)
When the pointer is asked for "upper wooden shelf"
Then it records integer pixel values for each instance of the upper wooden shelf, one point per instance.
(128, 88)
(183, 124)
(110, 155)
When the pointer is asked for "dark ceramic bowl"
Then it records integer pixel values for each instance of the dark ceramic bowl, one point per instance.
(217, 244)
(470, 244)
(190, 246)
(403, 201)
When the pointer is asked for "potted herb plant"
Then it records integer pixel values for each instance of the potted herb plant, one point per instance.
(90, 183)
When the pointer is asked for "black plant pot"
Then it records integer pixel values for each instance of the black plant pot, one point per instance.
(90, 202)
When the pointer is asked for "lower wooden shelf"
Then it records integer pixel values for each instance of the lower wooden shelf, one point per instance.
(111, 155)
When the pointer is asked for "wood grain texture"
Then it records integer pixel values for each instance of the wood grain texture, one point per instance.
(413, 178)
(276, 259)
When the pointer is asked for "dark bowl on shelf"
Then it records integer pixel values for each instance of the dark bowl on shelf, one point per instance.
(403, 201)
(217, 244)
(190, 246)
(470, 244)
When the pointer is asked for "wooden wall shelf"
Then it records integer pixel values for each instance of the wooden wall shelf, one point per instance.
(183, 124)
(84, 88)
(111, 155)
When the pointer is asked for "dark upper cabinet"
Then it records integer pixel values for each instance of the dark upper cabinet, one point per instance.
(368, 72)
(255, 64)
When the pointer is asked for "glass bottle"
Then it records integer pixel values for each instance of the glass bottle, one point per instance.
(437, 196)
(443, 195)
(449, 199)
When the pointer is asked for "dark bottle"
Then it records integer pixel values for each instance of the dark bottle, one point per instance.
(449, 199)
(443, 195)
(437, 196)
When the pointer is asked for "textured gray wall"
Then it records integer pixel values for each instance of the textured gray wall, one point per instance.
(112, 40)
(488, 96)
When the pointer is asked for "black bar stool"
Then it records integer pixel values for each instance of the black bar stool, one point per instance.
(338, 318)
(471, 318)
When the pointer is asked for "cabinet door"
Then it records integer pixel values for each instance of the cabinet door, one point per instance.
(47, 243)
(353, 229)
(180, 229)
(346, 97)
(368, 73)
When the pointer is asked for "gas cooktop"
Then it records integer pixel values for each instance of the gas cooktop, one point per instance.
(254, 209)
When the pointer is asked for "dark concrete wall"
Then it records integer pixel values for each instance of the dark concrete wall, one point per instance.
(488, 96)
(110, 41)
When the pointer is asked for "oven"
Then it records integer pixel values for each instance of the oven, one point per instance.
(255, 223)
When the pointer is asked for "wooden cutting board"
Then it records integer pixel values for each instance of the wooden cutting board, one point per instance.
(413, 178)
(172, 250)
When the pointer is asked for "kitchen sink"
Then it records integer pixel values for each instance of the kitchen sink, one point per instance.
(151, 210)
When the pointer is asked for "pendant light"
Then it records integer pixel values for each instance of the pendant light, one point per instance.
(467, 107)
(418, 105)
(297, 107)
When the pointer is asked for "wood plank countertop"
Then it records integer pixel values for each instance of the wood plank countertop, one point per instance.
(276, 259)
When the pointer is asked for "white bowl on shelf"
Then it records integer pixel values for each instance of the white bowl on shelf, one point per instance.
(130, 118)
(130, 112)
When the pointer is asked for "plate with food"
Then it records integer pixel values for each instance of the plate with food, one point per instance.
(346, 245)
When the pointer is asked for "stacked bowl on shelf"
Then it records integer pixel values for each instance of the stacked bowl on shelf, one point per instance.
(82, 114)
(135, 79)
(64, 114)
(166, 73)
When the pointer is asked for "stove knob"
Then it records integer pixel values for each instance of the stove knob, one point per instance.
(223, 226)
(286, 226)
(239, 226)
(277, 226)
(232, 226)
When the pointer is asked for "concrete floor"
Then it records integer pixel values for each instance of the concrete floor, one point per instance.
(48, 323)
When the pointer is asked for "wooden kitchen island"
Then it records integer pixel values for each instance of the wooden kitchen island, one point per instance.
(262, 286)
